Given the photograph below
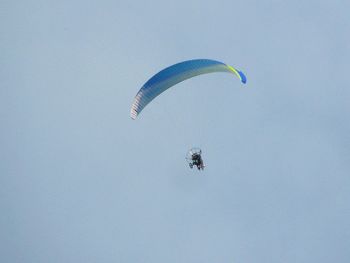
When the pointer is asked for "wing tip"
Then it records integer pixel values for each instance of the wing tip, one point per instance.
(238, 73)
(133, 114)
(242, 76)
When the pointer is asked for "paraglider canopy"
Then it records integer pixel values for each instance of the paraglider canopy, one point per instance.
(174, 74)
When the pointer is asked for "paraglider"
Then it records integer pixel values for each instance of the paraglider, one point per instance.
(171, 76)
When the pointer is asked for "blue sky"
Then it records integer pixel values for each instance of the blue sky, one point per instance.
(81, 182)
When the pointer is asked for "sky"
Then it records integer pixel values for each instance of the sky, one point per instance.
(80, 181)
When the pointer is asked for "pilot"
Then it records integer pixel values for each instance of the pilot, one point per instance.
(197, 160)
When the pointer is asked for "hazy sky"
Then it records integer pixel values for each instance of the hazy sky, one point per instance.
(82, 182)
